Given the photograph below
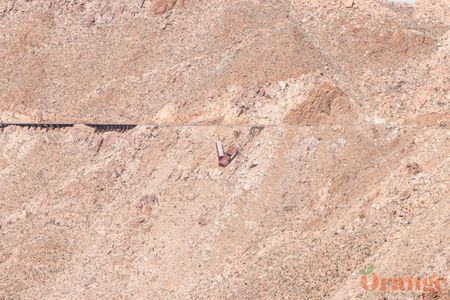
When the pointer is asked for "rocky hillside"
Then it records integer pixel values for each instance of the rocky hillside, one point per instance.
(340, 111)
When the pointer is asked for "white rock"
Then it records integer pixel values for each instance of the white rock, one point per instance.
(348, 3)
(283, 85)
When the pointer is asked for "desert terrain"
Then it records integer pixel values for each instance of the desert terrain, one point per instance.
(340, 111)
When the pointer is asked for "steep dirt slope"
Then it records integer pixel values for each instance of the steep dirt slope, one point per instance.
(96, 60)
(340, 111)
(131, 65)
(149, 213)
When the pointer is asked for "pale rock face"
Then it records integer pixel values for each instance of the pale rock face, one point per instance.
(349, 3)
(339, 110)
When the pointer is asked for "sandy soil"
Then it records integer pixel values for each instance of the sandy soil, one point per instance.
(340, 111)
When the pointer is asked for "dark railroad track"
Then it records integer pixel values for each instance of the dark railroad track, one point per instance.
(51, 126)
(112, 127)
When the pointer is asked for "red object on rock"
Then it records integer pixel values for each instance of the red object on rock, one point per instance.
(232, 152)
(229, 156)
(224, 161)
